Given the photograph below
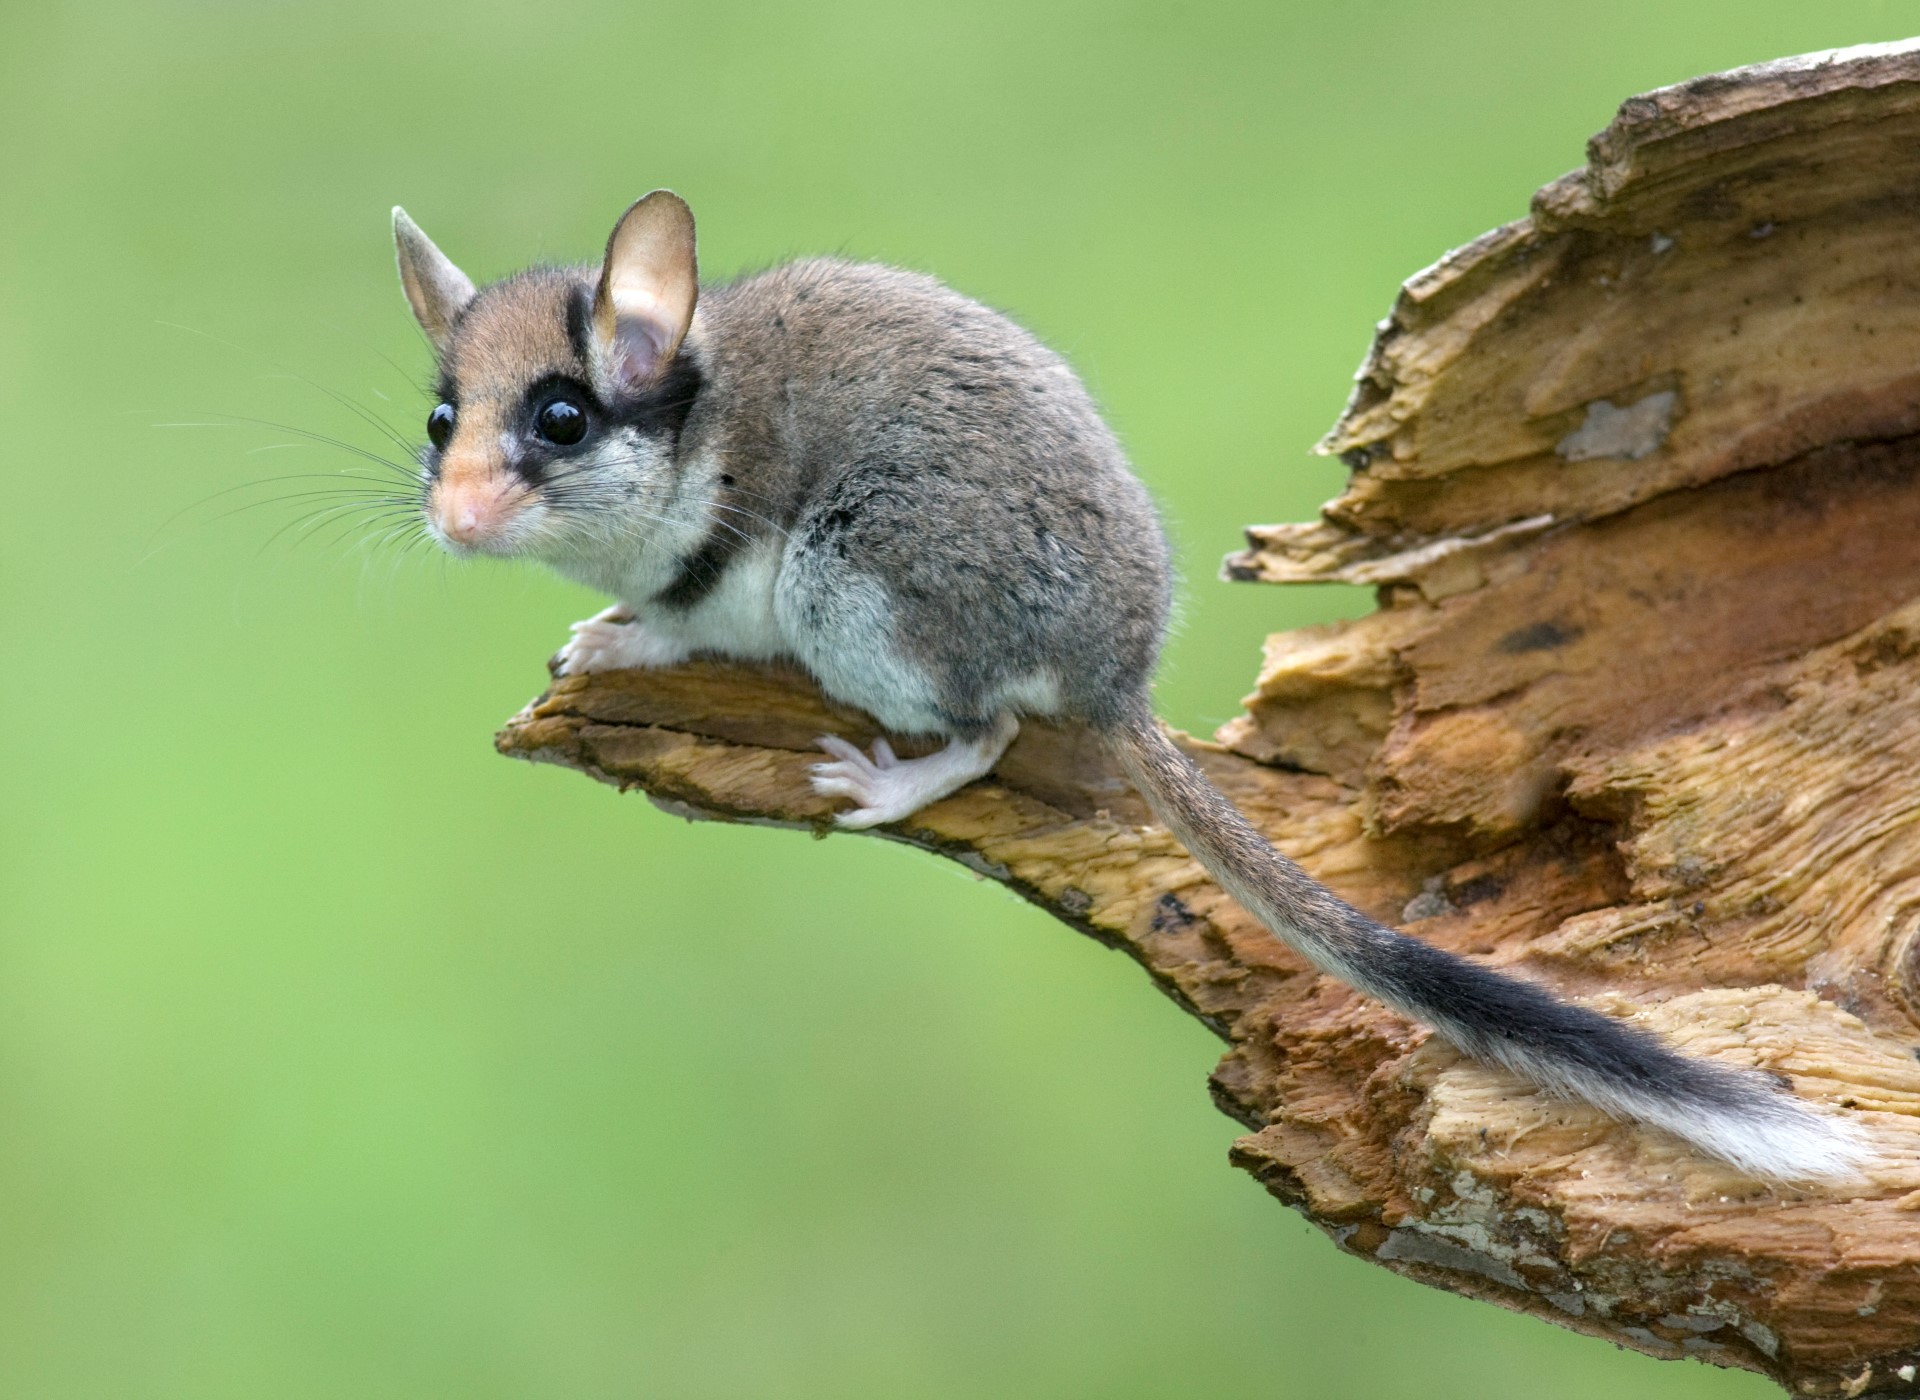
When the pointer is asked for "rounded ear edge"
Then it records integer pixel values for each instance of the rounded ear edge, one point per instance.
(660, 214)
(649, 286)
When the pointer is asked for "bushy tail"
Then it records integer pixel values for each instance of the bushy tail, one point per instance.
(1739, 1116)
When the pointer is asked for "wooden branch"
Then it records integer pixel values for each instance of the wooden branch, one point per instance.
(1638, 481)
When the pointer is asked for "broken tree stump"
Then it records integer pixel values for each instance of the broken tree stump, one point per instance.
(1637, 479)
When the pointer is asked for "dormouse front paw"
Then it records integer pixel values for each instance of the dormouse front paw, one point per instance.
(612, 640)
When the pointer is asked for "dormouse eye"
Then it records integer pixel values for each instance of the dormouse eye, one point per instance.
(561, 422)
(440, 424)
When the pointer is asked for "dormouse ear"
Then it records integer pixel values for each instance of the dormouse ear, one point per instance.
(436, 290)
(644, 303)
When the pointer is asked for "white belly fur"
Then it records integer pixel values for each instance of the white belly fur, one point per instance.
(737, 618)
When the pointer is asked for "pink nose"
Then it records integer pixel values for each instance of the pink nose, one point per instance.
(464, 524)
(471, 512)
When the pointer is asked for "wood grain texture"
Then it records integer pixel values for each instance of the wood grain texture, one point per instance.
(1638, 481)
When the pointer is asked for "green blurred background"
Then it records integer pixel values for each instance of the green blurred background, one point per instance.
(340, 1057)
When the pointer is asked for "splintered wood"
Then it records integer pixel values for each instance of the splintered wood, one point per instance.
(1638, 481)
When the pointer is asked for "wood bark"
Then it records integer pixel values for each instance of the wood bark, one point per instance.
(1637, 479)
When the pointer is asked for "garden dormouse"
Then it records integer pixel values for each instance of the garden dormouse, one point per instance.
(859, 470)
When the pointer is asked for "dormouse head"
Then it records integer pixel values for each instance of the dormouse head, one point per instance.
(561, 391)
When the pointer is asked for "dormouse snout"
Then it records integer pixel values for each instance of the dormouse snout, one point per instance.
(472, 505)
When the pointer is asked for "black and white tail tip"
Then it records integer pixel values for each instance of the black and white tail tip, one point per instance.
(1739, 1116)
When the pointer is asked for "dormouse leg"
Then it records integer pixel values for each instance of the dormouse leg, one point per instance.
(889, 788)
(612, 640)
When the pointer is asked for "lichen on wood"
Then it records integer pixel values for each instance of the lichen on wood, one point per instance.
(1637, 479)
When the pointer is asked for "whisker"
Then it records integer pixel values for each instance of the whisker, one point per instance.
(406, 473)
(288, 372)
(373, 490)
(773, 525)
(419, 386)
(373, 482)
(359, 410)
(307, 522)
(371, 502)
(349, 524)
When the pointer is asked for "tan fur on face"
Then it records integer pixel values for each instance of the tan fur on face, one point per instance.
(475, 499)
(514, 332)
(512, 335)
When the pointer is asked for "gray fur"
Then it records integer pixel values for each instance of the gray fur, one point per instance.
(1570, 1051)
(860, 469)
(924, 450)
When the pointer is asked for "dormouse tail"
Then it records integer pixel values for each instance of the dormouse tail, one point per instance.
(1740, 1116)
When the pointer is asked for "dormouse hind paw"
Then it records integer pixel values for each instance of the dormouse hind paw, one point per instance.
(871, 782)
(888, 788)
